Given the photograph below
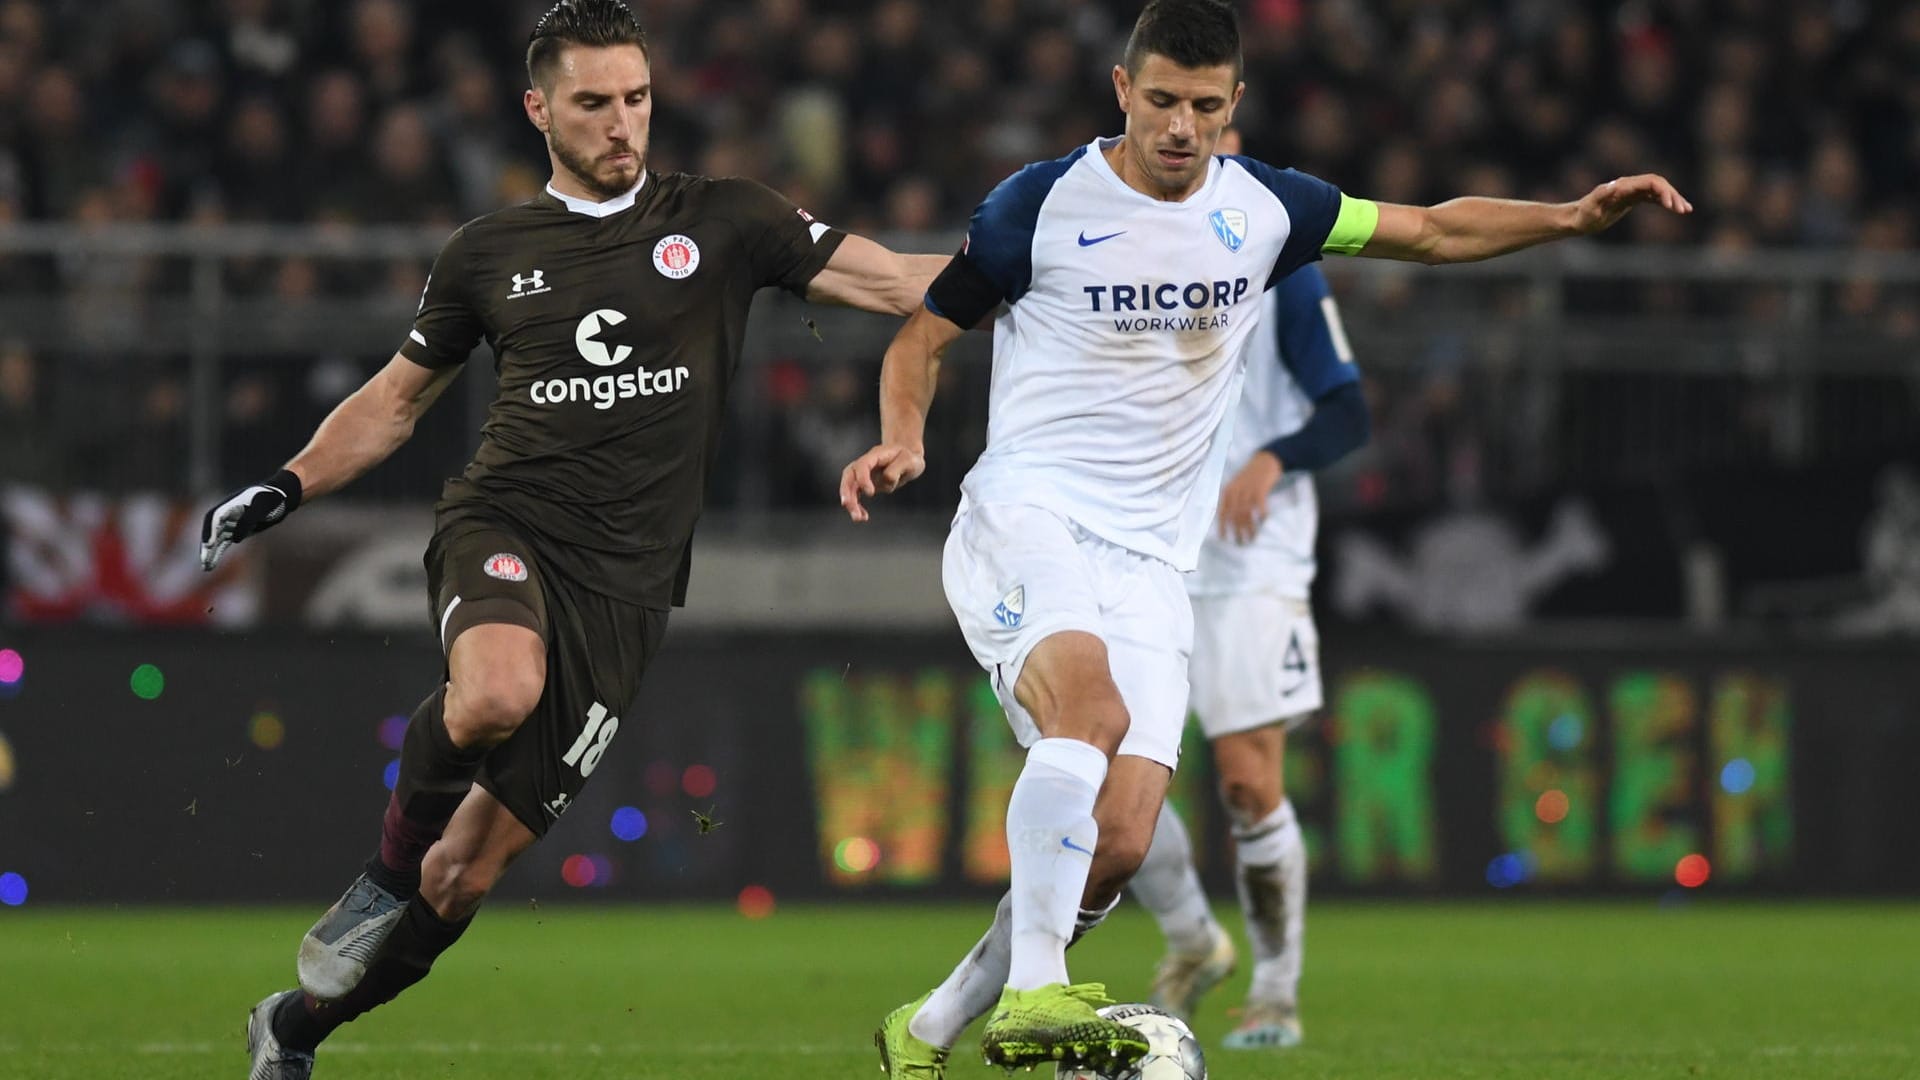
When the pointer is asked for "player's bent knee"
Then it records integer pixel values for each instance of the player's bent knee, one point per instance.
(1108, 722)
(1249, 797)
(1068, 689)
(488, 706)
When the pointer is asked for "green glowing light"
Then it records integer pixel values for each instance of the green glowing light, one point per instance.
(147, 682)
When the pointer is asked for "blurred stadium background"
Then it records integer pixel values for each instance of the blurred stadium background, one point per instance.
(1622, 599)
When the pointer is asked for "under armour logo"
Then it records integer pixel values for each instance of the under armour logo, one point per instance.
(559, 804)
(528, 284)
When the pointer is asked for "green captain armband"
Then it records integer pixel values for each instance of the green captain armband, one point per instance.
(1354, 227)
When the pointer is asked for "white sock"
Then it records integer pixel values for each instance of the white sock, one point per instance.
(1169, 886)
(1271, 876)
(1051, 837)
(972, 989)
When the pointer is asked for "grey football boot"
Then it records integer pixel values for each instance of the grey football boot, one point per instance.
(335, 953)
(271, 1061)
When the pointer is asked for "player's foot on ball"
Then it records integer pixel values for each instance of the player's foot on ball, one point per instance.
(1265, 1027)
(271, 1061)
(1183, 977)
(335, 953)
(1058, 1023)
(904, 1057)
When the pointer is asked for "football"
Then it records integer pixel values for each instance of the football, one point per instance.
(1172, 1051)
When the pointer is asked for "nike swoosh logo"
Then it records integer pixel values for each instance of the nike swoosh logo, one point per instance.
(1084, 242)
(1067, 842)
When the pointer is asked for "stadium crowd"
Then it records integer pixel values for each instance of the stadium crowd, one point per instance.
(1790, 122)
(1796, 121)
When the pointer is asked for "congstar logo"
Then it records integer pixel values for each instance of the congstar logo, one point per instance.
(604, 390)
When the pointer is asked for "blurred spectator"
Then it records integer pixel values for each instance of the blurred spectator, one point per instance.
(382, 48)
(1802, 119)
(828, 425)
(62, 155)
(483, 133)
(1791, 124)
(257, 165)
(409, 182)
(28, 434)
(183, 137)
(335, 143)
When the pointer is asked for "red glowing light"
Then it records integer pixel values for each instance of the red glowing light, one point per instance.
(1551, 806)
(578, 871)
(756, 902)
(698, 782)
(1692, 871)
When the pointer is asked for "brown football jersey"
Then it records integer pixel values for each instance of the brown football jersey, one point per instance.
(616, 330)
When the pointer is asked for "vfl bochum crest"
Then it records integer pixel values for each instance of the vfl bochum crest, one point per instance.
(1012, 607)
(1230, 226)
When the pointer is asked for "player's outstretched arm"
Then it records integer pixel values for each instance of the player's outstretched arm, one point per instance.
(869, 276)
(358, 434)
(1470, 229)
(908, 376)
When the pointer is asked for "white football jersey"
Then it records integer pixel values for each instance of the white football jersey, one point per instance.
(1121, 352)
(1299, 354)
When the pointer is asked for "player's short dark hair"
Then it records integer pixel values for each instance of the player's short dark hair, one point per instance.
(579, 22)
(1191, 33)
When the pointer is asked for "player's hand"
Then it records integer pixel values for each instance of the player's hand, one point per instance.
(1243, 503)
(1608, 203)
(250, 510)
(882, 470)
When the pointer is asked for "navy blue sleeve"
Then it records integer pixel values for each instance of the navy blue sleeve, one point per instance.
(1000, 236)
(1312, 207)
(1313, 344)
(1339, 425)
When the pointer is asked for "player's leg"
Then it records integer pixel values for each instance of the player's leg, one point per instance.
(1147, 632)
(1067, 687)
(938, 1018)
(1054, 839)
(492, 621)
(1270, 875)
(1199, 953)
(1148, 638)
(496, 675)
(915, 1039)
(1051, 671)
(1270, 862)
(600, 647)
(480, 842)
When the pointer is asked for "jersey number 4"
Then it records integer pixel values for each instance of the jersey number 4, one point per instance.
(587, 750)
(1294, 662)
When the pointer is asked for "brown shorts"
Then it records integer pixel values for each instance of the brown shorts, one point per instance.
(597, 648)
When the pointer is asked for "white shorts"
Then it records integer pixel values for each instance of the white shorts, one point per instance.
(1256, 660)
(1016, 575)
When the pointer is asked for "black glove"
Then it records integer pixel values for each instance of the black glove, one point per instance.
(247, 511)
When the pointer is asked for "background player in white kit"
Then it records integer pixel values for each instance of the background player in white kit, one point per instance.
(1133, 270)
(1255, 671)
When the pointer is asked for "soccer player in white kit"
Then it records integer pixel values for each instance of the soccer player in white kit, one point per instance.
(1255, 672)
(1132, 269)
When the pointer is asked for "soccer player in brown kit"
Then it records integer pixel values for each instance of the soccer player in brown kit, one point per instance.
(615, 304)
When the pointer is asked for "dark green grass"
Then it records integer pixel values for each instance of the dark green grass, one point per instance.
(1407, 990)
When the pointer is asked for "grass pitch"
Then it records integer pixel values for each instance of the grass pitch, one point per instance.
(1405, 990)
